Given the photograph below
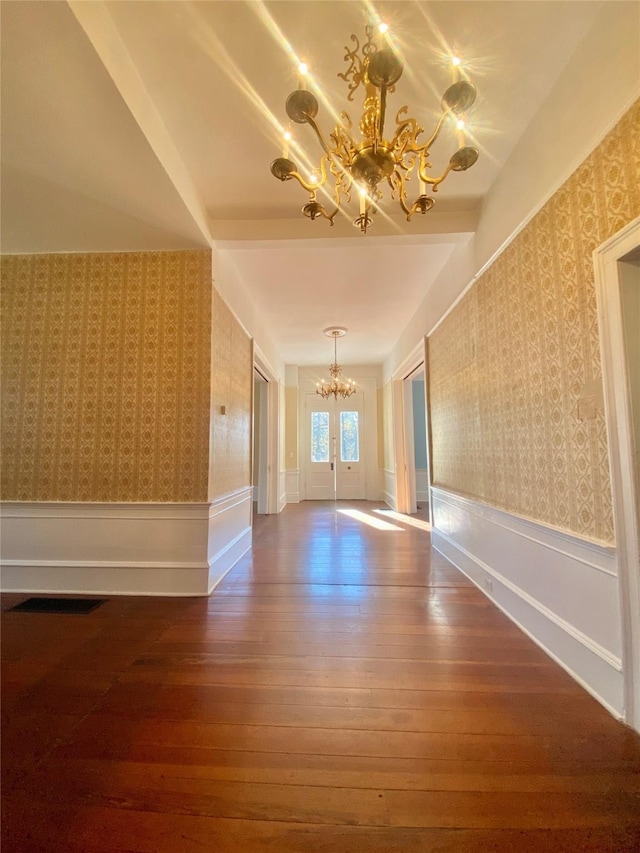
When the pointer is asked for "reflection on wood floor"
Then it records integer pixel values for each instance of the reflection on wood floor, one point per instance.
(345, 689)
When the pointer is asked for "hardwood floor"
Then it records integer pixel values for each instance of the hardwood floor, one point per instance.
(344, 689)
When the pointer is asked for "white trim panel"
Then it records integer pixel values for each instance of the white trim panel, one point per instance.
(389, 488)
(560, 589)
(422, 485)
(229, 533)
(282, 491)
(292, 486)
(111, 549)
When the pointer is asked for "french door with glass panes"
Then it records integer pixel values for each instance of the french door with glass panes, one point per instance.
(334, 451)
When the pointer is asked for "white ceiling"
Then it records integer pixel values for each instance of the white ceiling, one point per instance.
(143, 125)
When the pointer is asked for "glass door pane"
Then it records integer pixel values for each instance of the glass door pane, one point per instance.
(349, 443)
(320, 436)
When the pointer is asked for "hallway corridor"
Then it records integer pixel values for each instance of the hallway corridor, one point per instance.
(345, 689)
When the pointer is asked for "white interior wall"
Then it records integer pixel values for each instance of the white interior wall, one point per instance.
(231, 287)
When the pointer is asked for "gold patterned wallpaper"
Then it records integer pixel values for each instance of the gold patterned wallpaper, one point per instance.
(105, 376)
(231, 385)
(508, 366)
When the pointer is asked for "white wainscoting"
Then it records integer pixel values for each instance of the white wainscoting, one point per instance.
(422, 485)
(229, 533)
(106, 548)
(292, 486)
(282, 491)
(389, 487)
(123, 548)
(560, 589)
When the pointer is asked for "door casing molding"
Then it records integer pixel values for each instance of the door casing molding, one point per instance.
(402, 430)
(619, 419)
(273, 429)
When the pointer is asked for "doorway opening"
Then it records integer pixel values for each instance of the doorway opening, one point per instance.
(260, 473)
(415, 443)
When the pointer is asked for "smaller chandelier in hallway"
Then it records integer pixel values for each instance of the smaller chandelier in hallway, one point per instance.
(374, 159)
(338, 386)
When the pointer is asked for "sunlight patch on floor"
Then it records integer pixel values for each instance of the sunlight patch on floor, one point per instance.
(378, 523)
(405, 519)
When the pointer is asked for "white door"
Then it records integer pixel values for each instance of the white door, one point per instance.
(319, 449)
(334, 452)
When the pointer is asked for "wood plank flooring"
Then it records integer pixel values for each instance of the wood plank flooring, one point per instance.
(344, 690)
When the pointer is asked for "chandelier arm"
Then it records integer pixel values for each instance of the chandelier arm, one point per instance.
(316, 127)
(309, 187)
(436, 133)
(434, 181)
(329, 216)
(408, 210)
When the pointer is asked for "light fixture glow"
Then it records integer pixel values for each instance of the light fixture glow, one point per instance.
(374, 160)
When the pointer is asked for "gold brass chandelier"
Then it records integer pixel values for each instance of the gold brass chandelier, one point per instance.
(338, 386)
(375, 158)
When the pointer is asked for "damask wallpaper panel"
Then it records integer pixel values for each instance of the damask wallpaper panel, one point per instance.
(510, 363)
(105, 376)
(231, 381)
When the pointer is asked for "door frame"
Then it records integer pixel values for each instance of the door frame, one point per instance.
(261, 405)
(403, 427)
(272, 461)
(619, 420)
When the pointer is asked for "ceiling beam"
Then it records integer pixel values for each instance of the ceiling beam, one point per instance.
(450, 226)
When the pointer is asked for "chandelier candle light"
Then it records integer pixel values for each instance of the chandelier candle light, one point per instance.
(374, 158)
(338, 386)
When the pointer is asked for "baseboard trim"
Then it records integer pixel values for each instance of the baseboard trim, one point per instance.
(124, 549)
(580, 637)
(230, 533)
(169, 581)
(99, 564)
(559, 588)
(222, 563)
(602, 661)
